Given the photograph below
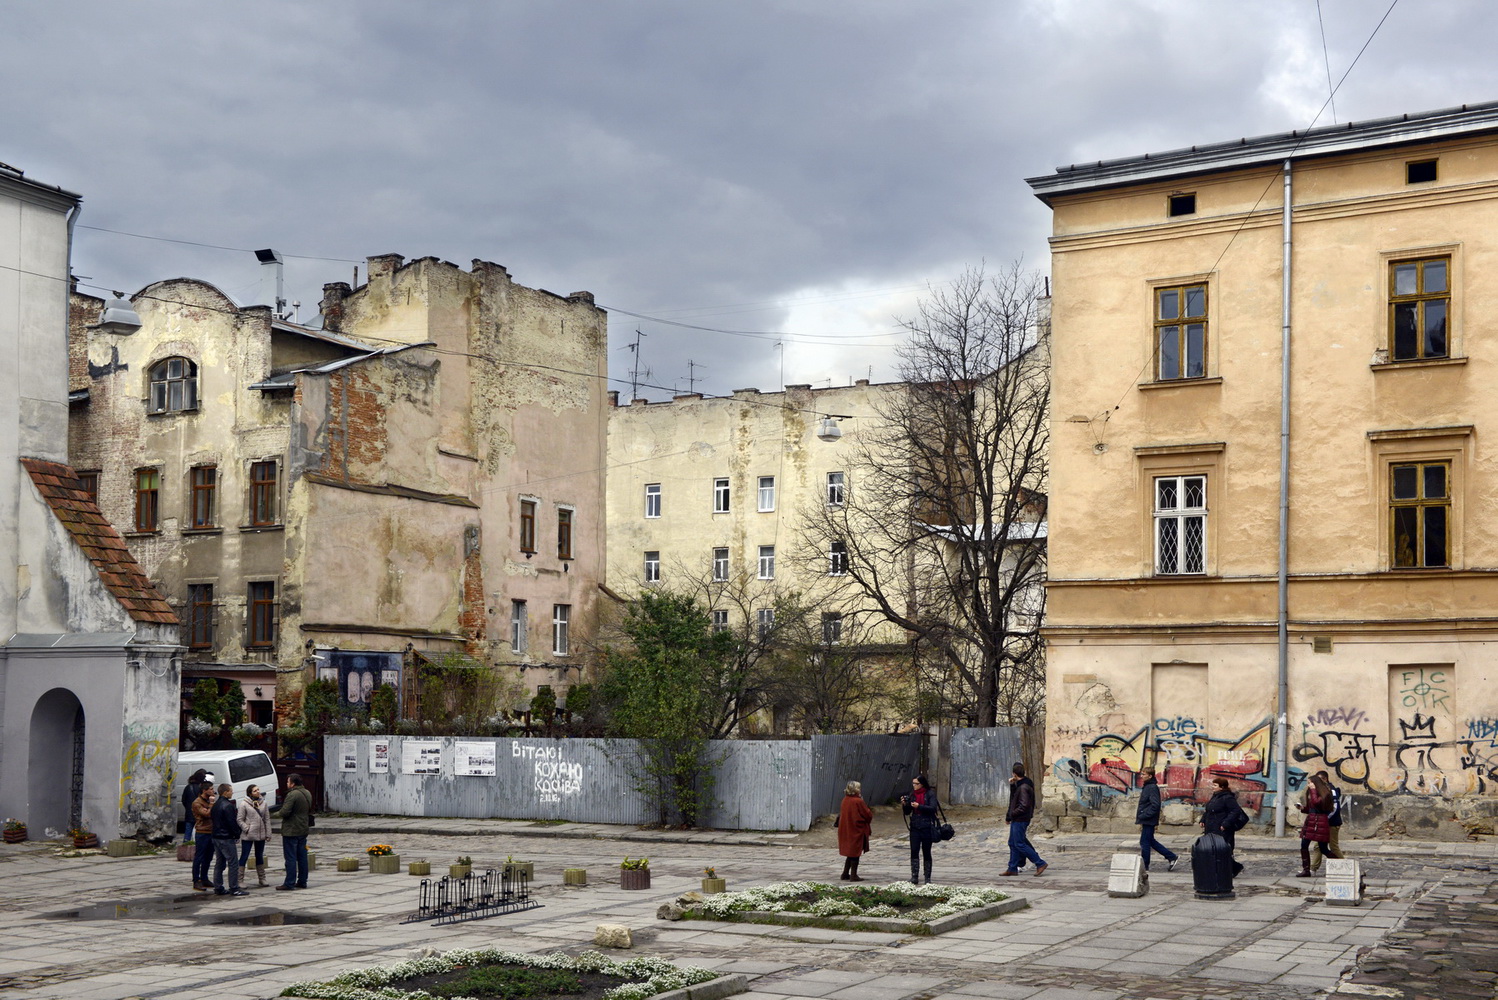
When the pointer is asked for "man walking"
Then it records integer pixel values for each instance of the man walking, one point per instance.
(1330, 849)
(296, 819)
(1148, 817)
(225, 817)
(1021, 811)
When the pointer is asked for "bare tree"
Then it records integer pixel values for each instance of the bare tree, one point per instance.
(944, 521)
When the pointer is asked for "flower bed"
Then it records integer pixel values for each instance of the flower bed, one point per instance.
(430, 978)
(899, 906)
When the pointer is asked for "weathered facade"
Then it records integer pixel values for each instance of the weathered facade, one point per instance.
(1172, 273)
(88, 648)
(345, 500)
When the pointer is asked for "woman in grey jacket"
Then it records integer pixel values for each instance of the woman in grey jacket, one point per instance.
(1148, 817)
(254, 829)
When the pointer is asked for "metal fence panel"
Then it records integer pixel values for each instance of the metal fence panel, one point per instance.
(760, 785)
(884, 764)
(981, 762)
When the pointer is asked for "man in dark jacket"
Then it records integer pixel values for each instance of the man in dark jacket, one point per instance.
(1224, 817)
(1148, 817)
(225, 817)
(1021, 811)
(296, 819)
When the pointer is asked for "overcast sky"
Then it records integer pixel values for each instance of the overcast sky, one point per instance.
(797, 169)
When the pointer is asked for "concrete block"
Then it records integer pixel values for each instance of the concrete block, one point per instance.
(1071, 824)
(1126, 876)
(613, 936)
(122, 848)
(1344, 882)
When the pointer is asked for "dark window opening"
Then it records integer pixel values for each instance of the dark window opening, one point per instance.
(1420, 172)
(1183, 204)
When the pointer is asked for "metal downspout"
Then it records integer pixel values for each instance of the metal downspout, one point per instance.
(1282, 764)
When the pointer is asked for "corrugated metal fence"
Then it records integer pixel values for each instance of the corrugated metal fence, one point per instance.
(981, 762)
(759, 784)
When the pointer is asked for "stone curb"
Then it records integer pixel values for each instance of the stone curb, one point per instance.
(662, 836)
(880, 925)
(723, 986)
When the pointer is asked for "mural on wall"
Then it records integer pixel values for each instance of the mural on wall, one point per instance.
(359, 672)
(1186, 759)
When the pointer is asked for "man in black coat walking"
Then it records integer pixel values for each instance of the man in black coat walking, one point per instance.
(1148, 818)
(1021, 811)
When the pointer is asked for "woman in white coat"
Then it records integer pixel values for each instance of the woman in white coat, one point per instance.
(254, 830)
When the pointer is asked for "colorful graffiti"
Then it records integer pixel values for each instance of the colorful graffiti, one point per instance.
(1186, 760)
(1420, 761)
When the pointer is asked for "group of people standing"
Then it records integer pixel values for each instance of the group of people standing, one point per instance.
(224, 831)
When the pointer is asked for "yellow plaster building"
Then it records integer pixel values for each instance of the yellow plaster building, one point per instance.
(1176, 275)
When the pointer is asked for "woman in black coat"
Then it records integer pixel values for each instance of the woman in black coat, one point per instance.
(921, 806)
(1224, 817)
(193, 789)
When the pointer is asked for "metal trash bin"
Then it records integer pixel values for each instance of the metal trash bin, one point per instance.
(1212, 867)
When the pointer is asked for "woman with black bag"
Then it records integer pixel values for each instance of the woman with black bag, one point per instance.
(921, 806)
(1317, 827)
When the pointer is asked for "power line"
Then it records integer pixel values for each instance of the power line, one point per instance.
(212, 246)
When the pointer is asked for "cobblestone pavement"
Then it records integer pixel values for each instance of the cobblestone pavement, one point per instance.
(111, 928)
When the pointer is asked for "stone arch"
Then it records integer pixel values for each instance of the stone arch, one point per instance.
(54, 772)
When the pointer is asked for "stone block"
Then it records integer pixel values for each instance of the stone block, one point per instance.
(1071, 824)
(613, 936)
(122, 848)
(670, 911)
(1127, 877)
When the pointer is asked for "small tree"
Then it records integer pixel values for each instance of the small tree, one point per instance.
(320, 706)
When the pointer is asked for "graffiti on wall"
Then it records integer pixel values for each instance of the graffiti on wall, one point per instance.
(146, 778)
(1185, 757)
(554, 777)
(1426, 756)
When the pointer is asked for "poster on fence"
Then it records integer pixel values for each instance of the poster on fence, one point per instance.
(348, 755)
(421, 757)
(473, 759)
(379, 756)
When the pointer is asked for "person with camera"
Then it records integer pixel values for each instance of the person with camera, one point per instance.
(921, 806)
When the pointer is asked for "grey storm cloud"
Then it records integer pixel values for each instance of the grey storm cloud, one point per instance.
(701, 162)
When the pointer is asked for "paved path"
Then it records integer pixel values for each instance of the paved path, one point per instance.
(94, 927)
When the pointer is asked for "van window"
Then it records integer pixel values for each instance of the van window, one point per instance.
(249, 768)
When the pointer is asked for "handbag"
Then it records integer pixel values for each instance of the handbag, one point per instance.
(186, 852)
(944, 830)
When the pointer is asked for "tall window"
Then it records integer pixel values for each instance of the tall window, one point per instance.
(720, 565)
(1420, 513)
(564, 533)
(561, 615)
(720, 621)
(1419, 301)
(1180, 524)
(174, 386)
(518, 626)
(147, 499)
(90, 483)
(766, 619)
(200, 615)
(652, 499)
(766, 493)
(204, 489)
(1181, 332)
(720, 496)
(832, 628)
(837, 490)
(263, 493)
(837, 559)
(652, 567)
(767, 562)
(527, 526)
(262, 614)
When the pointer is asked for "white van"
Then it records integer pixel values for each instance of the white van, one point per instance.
(240, 768)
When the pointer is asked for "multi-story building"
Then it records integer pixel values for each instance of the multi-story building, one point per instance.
(1327, 289)
(416, 478)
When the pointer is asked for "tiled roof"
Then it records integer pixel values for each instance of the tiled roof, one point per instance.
(59, 486)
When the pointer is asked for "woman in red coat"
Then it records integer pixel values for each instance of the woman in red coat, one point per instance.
(854, 823)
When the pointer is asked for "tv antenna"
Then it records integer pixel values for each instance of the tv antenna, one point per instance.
(692, 378)
(635, 372)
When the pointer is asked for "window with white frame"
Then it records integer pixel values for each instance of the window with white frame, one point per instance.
(766, 493)
(832, 628)
(720, 621)
(720, 565)
(652, 499)
(1180, 525)
(720, 496)
(517, 626)
(767, 562)
(561, 615)
(837, 488)
(652, 567)
(766, 620)
(837, 558)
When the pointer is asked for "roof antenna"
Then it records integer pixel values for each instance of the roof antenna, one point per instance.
(692, 378)
(634, 372)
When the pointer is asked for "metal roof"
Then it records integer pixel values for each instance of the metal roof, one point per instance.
(287, 380)
(1401, 130)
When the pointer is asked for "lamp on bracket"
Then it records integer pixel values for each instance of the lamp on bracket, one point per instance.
(119, 317)
(828, 429)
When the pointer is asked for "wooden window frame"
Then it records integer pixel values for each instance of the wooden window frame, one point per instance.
(89, 480)
(1178, 326)
(265, 507)
(162, 386)
(1423, 505)
(1421, 300)
(203, 506)
(200, 616)
(148, 500)
(564, 533)
(528, 526)
(260, 615)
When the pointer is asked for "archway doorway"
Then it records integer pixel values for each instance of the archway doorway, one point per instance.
(55, 769)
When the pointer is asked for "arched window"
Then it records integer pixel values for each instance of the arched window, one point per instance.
(174, 386)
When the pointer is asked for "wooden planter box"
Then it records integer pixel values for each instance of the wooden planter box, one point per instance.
(634, 878)
(420, 868)
(348, 864)
(574, 876)
(515, 869)
(15, 836)
(458, 871)
(82, 843)
(385, 864)
(712, 886)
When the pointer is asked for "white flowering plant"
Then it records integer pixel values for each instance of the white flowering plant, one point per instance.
(898, 899)
(652, 976)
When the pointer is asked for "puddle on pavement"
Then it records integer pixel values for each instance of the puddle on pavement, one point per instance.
(181, 907)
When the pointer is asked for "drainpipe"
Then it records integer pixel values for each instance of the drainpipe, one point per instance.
(1282, 766)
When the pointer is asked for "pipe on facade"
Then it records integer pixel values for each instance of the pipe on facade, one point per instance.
(1282, 762)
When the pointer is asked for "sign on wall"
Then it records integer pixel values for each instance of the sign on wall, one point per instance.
(348, 755)
(473, 759)
(379, 756)
(421, 757)
(359, 672)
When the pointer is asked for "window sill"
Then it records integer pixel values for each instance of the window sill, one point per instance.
(1178, 383)
(262, 527)
(1421, 570)
(170, 413)
(1385, 366)
(142, 534)
(202, 531)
